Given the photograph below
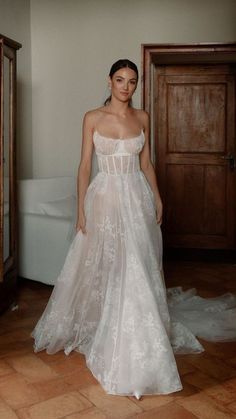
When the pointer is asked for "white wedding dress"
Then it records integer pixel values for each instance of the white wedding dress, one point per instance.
(110, 301)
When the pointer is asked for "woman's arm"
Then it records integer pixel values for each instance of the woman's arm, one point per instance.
(84, 170)
(148, 169)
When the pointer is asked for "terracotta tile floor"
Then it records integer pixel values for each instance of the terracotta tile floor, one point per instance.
(41, 386)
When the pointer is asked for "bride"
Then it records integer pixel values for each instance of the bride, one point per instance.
(110, 302)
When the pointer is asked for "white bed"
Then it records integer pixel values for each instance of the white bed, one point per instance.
(46, 214)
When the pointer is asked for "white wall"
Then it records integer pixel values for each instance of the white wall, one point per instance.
(15, 24)
(74, 43)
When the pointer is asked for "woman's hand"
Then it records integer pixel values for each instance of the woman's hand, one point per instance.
(159, 212)
(81, 222)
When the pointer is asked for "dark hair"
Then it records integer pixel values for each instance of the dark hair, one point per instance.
(123, 63)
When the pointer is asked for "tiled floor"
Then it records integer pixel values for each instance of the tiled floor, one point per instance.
(41, 386)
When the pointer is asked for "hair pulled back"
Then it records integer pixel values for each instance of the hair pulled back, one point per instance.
(122, 63)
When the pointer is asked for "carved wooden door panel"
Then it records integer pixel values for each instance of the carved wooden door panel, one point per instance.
(195, 154)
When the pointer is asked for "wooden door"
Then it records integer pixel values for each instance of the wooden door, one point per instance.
(194, 120)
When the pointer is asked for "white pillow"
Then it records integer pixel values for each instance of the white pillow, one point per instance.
(64, 207)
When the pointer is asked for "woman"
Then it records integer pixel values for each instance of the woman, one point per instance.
(109, 301)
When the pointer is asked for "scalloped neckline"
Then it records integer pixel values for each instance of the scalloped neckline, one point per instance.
(118, 139)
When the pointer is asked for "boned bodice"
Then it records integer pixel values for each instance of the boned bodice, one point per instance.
(118, 156)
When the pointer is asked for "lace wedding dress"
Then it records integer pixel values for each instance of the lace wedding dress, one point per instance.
(110, 301)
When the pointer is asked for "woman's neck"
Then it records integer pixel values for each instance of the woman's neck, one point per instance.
(119, 108)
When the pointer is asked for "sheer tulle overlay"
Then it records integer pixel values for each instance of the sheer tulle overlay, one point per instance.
(110, 301)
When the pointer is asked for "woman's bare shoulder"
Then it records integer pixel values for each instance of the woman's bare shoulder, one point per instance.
(142, 116)
(93, 115)
(141, 113)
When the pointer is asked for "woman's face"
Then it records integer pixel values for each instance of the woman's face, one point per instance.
(123, 84)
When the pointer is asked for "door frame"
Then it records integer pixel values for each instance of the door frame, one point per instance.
(164, 54)
(154, 55)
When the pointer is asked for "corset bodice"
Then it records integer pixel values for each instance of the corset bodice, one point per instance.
(118, 156)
